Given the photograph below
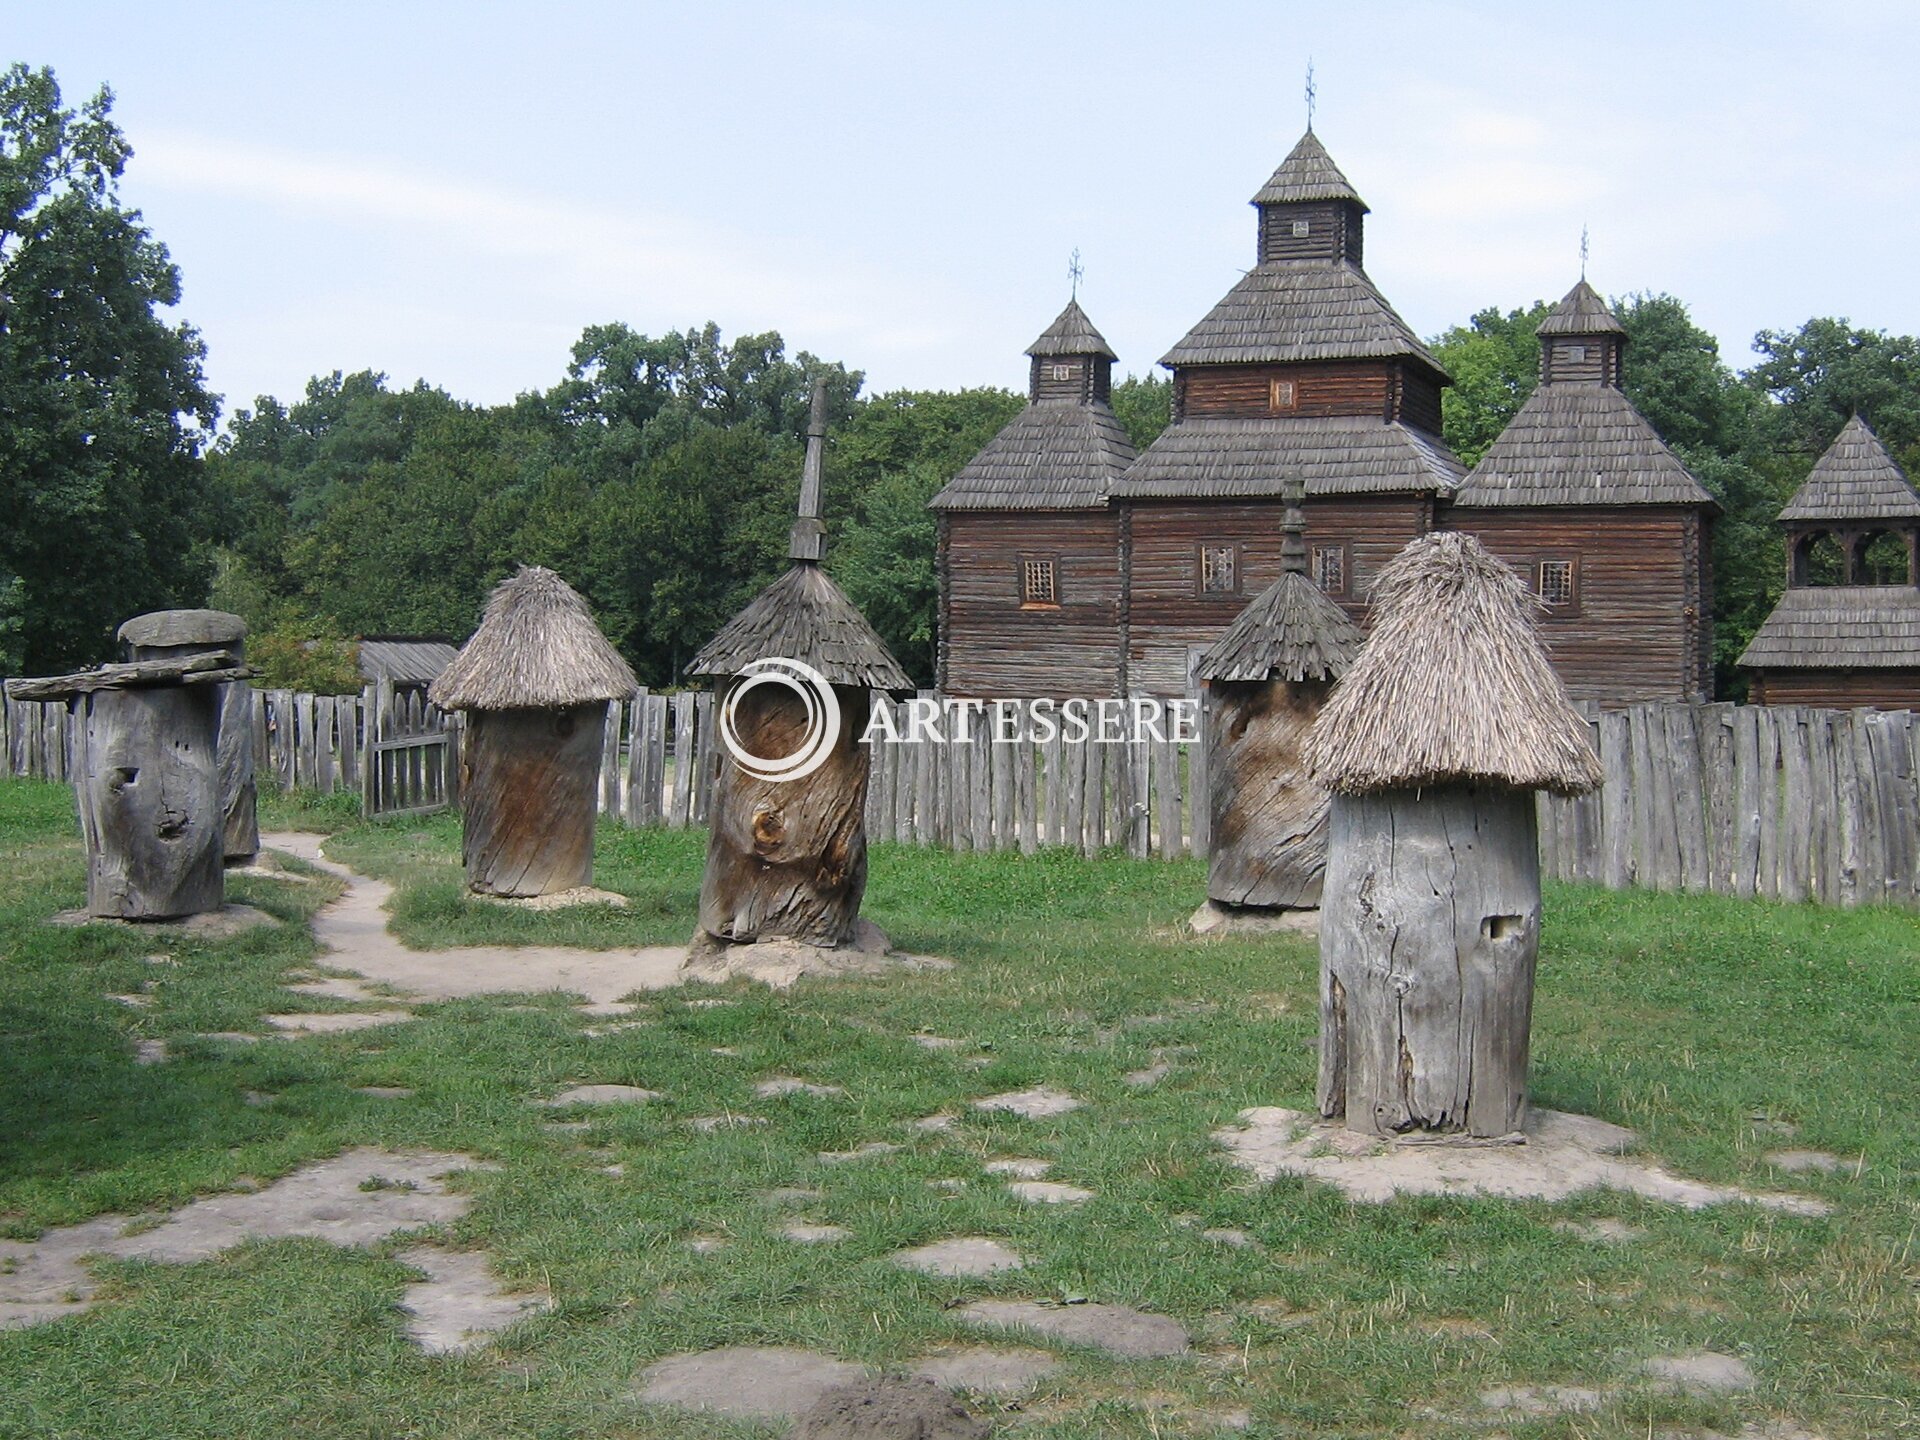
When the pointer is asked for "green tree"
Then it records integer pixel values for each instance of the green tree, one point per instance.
(1494, 360)
(106, 405)
(1821, 375)
(1144, 405)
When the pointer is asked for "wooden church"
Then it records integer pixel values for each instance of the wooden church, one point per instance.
(1068, 566)
(1847, 630)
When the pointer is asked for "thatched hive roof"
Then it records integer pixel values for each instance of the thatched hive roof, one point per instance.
(1452, 685)
(1333, 454)
(1072, 334)
(1053, 455)
(1855, 480)
(1308, 173)
(804, 616)
(1291, 631)
(537, 648)
(1839, 627)
(1301, 310)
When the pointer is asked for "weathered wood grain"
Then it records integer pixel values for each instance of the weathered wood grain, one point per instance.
(531, 778)
(1429, 934)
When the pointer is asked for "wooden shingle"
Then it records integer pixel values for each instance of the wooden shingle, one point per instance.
(1856, 479)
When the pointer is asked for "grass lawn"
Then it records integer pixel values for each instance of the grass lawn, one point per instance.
(1686, 1018)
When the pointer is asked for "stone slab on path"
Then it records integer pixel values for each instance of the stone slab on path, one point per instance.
(962, 1255)
(1119, 1330)
(337, 1022)
(1036, 1104)
(460, 1306)
(1048, 1192)
(353, 931)
(600, 1095)
(353, 1199)
(1562, 1155)
(986, 1370)
(749, 1382)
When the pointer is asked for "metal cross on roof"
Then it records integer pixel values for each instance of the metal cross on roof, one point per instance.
(1310, 92)
(1583, 252)
(1074, 271)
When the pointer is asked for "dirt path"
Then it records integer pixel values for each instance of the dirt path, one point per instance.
(353, 930)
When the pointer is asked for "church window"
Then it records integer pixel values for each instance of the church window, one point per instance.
(1557, 584)
(1038, 582)
(1063, 372)
(1300, 229)
(1576, 354)
(1281, 395)
(1219, 570)
(1329, 568)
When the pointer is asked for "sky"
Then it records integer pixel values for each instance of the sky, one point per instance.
(454, 191)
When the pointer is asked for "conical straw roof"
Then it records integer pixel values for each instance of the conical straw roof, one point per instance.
(537, 648)
(1453, 685)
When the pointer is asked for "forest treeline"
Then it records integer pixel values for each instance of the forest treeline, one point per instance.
(658, 473)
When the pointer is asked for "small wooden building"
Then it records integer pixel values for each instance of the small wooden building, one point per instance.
(1433, 745)
(1264, 683)
(796, 670)
(1028, 550)
(534, 680)
(1582, 496)
(1847, 630)
(172, 634)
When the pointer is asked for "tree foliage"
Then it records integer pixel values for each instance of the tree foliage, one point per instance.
(105, 402)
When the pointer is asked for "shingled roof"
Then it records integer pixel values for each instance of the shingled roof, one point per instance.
(1333, 454)
(1053, 455)
(1855, 480)
(1308, 173)
(1581, 312)
(804, 616)
(1072, 334)
(1300, 310)
(1579, 445)
(1839, 627)
(1291, 631)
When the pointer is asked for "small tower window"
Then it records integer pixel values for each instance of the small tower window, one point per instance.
(1038, 582)
(1063, 372)
(1219, 570)
(1300, 229)
(1329, 568)
(1557, 584)
(1576, 354)
(1280, 395)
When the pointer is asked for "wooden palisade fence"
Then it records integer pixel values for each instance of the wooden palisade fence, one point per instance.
(1744, 800)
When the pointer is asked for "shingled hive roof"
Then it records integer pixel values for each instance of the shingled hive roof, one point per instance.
(804, 616)
(1579, 445)
(1333, 454)
(1453, 685)
(1581, 312)
(1839, 627)
(1308, 173)
(1855, 480)
(537, 648)
(1300, 310)
(1053, 455)
(1072, 334)
(1291, 631)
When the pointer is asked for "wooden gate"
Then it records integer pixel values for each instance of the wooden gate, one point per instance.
(411, 761)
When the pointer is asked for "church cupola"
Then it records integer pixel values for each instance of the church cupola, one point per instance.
(1308, 211)
(1071, 361)
(1581, 342)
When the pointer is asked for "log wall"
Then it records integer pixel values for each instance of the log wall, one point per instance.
(1838, 689)
(1169, 617)
(1638, 629)
(992, 645)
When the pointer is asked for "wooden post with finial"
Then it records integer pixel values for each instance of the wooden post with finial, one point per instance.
(795, 672)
